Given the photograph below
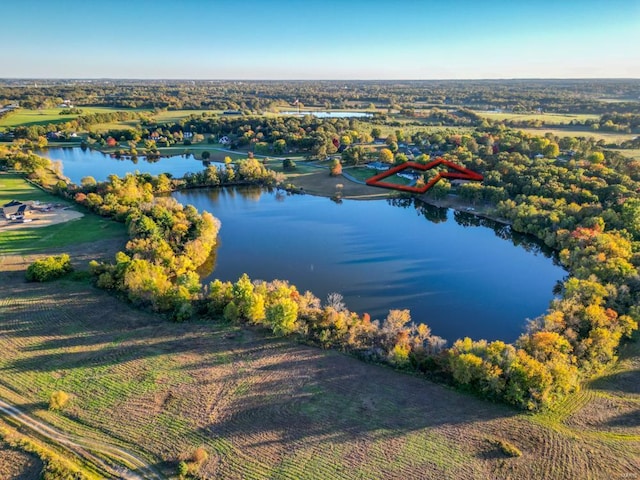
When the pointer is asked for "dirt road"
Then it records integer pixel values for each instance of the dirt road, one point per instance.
(88, 449)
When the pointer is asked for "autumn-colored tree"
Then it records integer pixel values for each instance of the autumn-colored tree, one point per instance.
(385, 155)
(335, 168)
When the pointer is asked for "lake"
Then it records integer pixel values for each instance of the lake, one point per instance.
(461, 275)
(330, 114)
(78, 163)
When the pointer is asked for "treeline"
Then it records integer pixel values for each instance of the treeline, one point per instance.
(587, 207)
(566, 96)
(619, 122)
(249, 171)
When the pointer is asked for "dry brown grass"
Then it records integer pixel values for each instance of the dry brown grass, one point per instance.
(264, 407)
(17, 465)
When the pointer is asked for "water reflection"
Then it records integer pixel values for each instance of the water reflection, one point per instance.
(468, 276)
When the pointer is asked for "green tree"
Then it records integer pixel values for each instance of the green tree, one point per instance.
(551, 150)
(282, 316)
(279, 146)
(88, 181)
(631, 216)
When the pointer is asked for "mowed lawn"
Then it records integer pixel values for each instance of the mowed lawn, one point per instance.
(26, 117)
(25, 240)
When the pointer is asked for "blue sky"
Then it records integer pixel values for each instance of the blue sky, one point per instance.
(320, 39)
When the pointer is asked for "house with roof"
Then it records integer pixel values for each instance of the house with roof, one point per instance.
(15, 210)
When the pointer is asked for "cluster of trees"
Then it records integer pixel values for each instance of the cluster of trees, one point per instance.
(282, 308)
(308, 134)
(243, 172)
(586, 207)
(168, 242)
(619, 122)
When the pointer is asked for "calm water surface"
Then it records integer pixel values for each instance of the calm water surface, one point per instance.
(330, 114)
(460, 275)
(78, 163)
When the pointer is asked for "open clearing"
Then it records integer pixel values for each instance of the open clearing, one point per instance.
(26, 117)
(547, 118)
(608, 137)
(633, 153)
(269, 408)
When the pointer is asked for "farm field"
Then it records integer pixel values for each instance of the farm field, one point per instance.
(608, 137)
(270, 408)
(411, 129)
(547, 118)
(26, 117)
(17, 465)
(172, 116)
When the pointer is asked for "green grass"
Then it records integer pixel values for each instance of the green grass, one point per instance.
(547, 118)
(608, 137)
(27, 240)
(361, 173)
(171, 116)
(105, 127)
(628, 152)
(89, 228)
(14, 187)
(26, 117)
(302, 168)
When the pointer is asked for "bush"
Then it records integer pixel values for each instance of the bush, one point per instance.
(49, 268)
(58, 400)
(183, 468)
(200, 455)
(508, 448)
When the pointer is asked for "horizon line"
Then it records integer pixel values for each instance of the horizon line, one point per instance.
(320, 79)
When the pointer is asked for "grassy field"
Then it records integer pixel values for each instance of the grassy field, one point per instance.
(269, 408)
(547, 118)
(628, 152)
(172, 116)
(608, 137)
(26, 117)
(27, 240)
(411, 129)
(104, 127)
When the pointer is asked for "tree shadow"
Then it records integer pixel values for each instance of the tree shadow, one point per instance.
(626, 420)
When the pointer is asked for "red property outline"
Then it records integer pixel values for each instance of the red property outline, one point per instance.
(461, 173)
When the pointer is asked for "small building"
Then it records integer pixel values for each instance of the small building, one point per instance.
(224, 140)
(15, 210)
